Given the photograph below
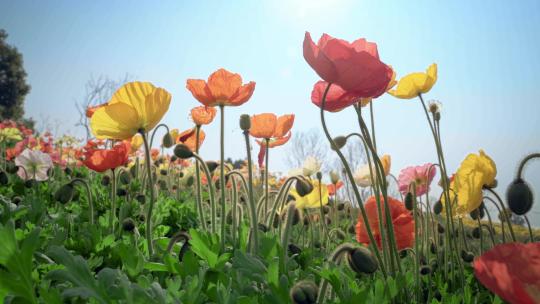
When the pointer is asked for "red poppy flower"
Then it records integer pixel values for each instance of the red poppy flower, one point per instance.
(355, 67)
(402, 221)
(512, 271)
(101, 160)
(332, 188)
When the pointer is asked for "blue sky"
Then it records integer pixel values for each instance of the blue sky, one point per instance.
(488, 57)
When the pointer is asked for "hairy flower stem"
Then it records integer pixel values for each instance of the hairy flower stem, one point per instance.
(507, 218)
(291, 209)
(152, 197)
(88, 195)
(252, 207)
(324, 227)
(222, 185)
(234, 200)
(211, 191)
(266, 141)
(284, 189)
(198, 181)
(113, 201)
(373, 243)
(334, 258)
(524, 161)
(416, 256)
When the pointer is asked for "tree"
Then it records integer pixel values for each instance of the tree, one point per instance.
(97, 91)
(13, 86)
(307, 143)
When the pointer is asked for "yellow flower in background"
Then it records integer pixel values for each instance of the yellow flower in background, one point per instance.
(475, 172)
(414, 84)
(12, 134)
(135, 106)
(313, 199)
(362, 176)
(136, 143)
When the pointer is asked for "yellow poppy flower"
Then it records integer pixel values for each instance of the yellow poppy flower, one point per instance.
(475, 172)
(135, 106)
(10, 134)
(136, 143)
(313, 199)
(414, 84)
(362, 175)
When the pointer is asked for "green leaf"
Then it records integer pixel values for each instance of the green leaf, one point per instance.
(200, 245)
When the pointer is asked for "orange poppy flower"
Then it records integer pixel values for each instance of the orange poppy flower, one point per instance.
(101, 160)
(203, 115)
(154, 153)
(275, 130)
(92, 109)
(512, 271)
(332, 188)
(223, 88)
(402, 221)
(188, 138)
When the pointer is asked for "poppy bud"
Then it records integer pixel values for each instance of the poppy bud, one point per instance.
(433, 247)
(128, 225)
(478, 213)
(11, 168)
(437, 207)
(133, 171)
(212, 166)
(362, 260)
(29, 183)
(182, 151)
(68, 171)
(306, 221)
(467, 256)
(168, 140)
(105, 180)
(162, 185)
(340, 206)
(317, 244)
(303, 187)
(339, 142)
(245, 122)
(141, 217)
(340, 234)
(326, 209)
(16, 200)
(140, 198)
(125, 178)
(437, 116)
(263, 227)
(476, 232)
(334, 177)
(409, 201)
(190, 181)
(293, 249)
(64, 194)
(352, 229)
(304, 292)
(425, 270)
(440, 228)
(121, 192)
(519, 197)
(4, 180)
(327, 220)
(403, 254)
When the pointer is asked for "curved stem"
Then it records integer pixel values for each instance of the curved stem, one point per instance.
(500, 212)
(154, 132)
(524, 161)
(490, 226)
(210, 190)
(507, 218)
(334, 257)
(89, 195)
(531, 238)
(113, 201)
(198, 181)
(372, 115)
(253, 208)
(373, 243)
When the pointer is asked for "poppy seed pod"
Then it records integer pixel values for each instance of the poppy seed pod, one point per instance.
(168, 140)
(4, 180)
(361, 260)
(304, 292)
(245, 122)
(163, 172)
(339, 142)
(128, 225)
(303, 187)
(64, 194)
(105, 180)
(182, 151)
(519, 197)
(125, 178)
(409, 201)
(437, 207)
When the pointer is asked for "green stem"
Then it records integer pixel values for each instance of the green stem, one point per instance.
(113, 201)
(252, 207)
(152, 197)
(154, 132)
(222, 185)
(266, 141)
(531, 238)
(507, 218)
(198, 181)
(210, 190)
(89, 195)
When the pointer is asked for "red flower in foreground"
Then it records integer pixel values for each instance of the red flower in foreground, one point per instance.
(353, 66)
(402, 221)
(332, 188)
(512, 271)
(101, 160)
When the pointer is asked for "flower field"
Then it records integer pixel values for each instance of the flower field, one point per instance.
(132, 217)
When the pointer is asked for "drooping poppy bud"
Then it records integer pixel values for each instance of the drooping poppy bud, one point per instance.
(304, 292)
(362, 260)
(478, 213)
(245, 122)
(519, 197)
(29, 183)
(124, 178)
(409, 201)
(293, 249)
(476, 232)
(121, 192)
(182, 151)
(339, 142)
(467, 256)
(212, 165)
(4, 180)
(140, 198)
(425, 270)
(105, 180)
(168, 140)
(64, 194)
(303, 187)
(440, 228)
(68, 171)
(16, 200)
(334, 177)
(437, 207)
(128, 225)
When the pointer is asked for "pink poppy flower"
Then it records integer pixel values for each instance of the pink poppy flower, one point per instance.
(421, 175)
